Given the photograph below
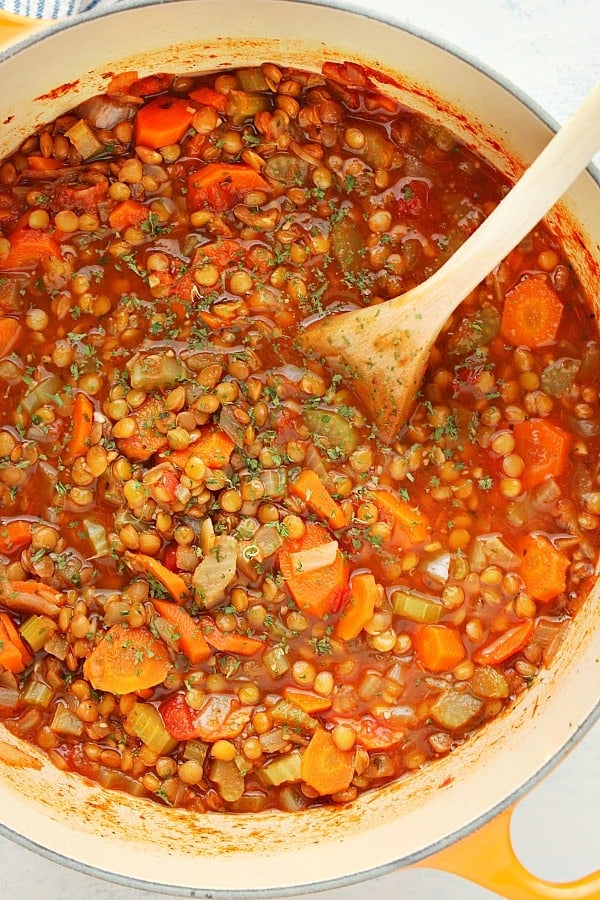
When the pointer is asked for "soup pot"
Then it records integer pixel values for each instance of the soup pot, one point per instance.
(49, 70)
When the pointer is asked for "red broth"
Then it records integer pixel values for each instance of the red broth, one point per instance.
(218, 589)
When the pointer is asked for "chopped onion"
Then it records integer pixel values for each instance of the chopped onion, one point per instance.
(97, 535)
(437, 567)
(105, 112)
(490, 550)
(316, 558)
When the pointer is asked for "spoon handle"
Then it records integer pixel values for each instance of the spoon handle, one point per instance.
(540, 186)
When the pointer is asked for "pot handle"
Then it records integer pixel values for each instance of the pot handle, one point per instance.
(15, 28)
(486, 857)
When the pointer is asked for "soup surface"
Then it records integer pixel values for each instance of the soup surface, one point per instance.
(218, 588)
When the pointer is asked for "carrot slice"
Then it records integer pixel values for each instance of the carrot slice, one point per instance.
(543, 569)
(147, 440)
(162, 121)
(532, 313)
(83, 419)
(439, 647)
(505, 645)
(15, 638)
(127, 660)
(206, 96)
(221, 185)
(10, 656)
(410, 524)
(15, 536)
(27, 247)
(191, 640)
(171, 581)
(325, 767)
(307, 701)
(359, 608)
(44, 163)
(230, 642)
(320, 591)
(213, 447)
(127, 214)
(544, 448)
(10, 332)
(309, 487)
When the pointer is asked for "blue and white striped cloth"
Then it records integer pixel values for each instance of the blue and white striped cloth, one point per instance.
(51, 9)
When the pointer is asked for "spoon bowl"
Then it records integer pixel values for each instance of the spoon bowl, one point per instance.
(384, 349)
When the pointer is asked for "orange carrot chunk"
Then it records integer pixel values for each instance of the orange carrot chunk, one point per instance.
(229, 641)
(307, 701)
(127, 214)
(532, 313)
(410, 524)
(14, 536)
(10, 657)
(171, 581)
(44, 163)
(27, 247)
(309, 487)
(189, 636)
(148, 439)
(127, 660)
(83, 419)
(359, 608)
(505, 645)
(206, 96)
(321, 590)
(325, 767)
(544, 448)
(221, 185)
(439, 647)
(543, 569)
(10, 332)
(15, 638)
(162, 121)
(213, 447)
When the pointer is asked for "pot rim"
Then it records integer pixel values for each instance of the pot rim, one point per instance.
(559, 754)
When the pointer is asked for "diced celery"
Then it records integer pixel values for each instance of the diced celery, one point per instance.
(36, 630)
(276, 661)
(66, 722)
(242, 106)
(195, 749)
(340, 433)
(118, 781)
(37, 694)
(228, 778)
(416, 607)
(285, 768)
(252, 79)
(156, 370)
(454, 710)
(286, 713)
(145, 722)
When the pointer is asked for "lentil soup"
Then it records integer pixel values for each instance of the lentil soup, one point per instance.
(218, 588)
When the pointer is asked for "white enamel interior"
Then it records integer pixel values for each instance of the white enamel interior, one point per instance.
(280, 854)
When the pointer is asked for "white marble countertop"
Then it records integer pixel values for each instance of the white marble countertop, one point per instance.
(549, 49)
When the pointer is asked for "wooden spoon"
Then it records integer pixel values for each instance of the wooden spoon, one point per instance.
(384, 348)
